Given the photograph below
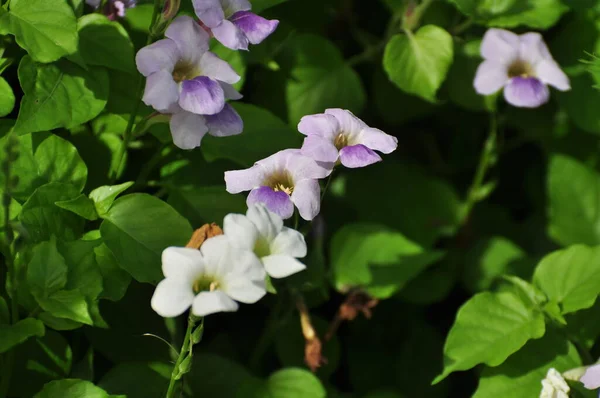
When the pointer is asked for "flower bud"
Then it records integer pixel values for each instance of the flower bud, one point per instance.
(170, 9)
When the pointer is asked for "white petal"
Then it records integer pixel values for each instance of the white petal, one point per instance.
(218, 256)
(207, 303)
(267, 223)
(550, 73)
(192, 41)
(348, 123)
(490, 77)
(533, 49)
(240, 231)
(500, 45)
(289, 242)
(215, 68)
(182, 263)
(281, 266)
(187, 129)
(172, 297)
(245, 280)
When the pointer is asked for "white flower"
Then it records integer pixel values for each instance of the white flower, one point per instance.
(262, 232)
(208, 280)
(554, 385)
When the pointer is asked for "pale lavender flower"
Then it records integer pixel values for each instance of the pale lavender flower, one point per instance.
(232, 23)
(339, 135)
(522, 65)
(181, 71)
(114, 8)
(591, 377)
(281, 181)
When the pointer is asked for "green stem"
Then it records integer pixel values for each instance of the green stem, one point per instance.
(185, 351)
(127, 135)
(327, 184)
(411, 20)
(485, 162)
(466, 24)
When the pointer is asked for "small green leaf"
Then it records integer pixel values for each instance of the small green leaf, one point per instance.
(570, 277)
(69, 304)
(84, 272)
(61, 94)
(137, 228)
(574, 202)
(184, 367)
(47, 270)
(105, 43)
(418, 63)
(71, 388)
(104, 196)
(115, 279)
(488, 329)
(81, 205)
(294, 383)
(320, 79)
(47, 29)
(7, 98)
(198, 333)
(12, 335)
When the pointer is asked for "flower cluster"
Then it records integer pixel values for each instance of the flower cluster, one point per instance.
(290, 177)
(554, 385)
(191, 84)
(522, 65)
(230, 267)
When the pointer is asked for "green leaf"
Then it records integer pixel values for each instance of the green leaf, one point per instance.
(42, 219)
(44, 158)
(115, 279)
(104, 196)
(47, 271)
(488, 329)
(81, 205)
(47, 29)
(137, 228)
(491, 258)
(521, 374)
(540, 14)
(139, 379)
(264, 134)
(84, 272)
(570, 277)
(105, 43)
(71, 388)
(574, 202)
(460, 77)
(581, 103)
(362, 253)
(293, 383)
(4, 313)
(59, 95)
(320, 79)
(184, 367)
(13, 335)
(69, 304)
(418, 63)
(7, 98)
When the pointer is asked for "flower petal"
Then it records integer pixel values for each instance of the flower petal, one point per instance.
(225, 123)
(217, 69)
(302, 167)
(277, 201)
(322, 125)
(358, 156)
(532, 48)
(230, 36)
(255, 28)
(267, 223)
(207, 303)
(281, 266)
(289, 242)
(230, 92)
(306, 197)
(182, 263)
(237, 181)
(490, 77)
(320, 149)
(161, 91)
(378, 140)
(209, 12)
(348, 123)
(162, 55)
(187, 129)
(240, 231)
(246, 282)
(526, 92)
(550, 73)
(202, 96)
(192, 41)
(591, 377)
(172, 297)
(233, 6)
(500, 45)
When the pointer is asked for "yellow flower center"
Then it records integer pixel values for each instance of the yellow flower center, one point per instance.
(185, 71)
(281, 181)
(340, 141)
(520, 69)
(204, 284)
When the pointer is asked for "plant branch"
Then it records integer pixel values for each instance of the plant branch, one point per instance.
(183, 354)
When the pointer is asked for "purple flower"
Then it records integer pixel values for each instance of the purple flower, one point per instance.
(281, 181)
(339, 135)
(232, 23)
(522, 65)
(181, 71)
(591, 377)
(114, 8)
